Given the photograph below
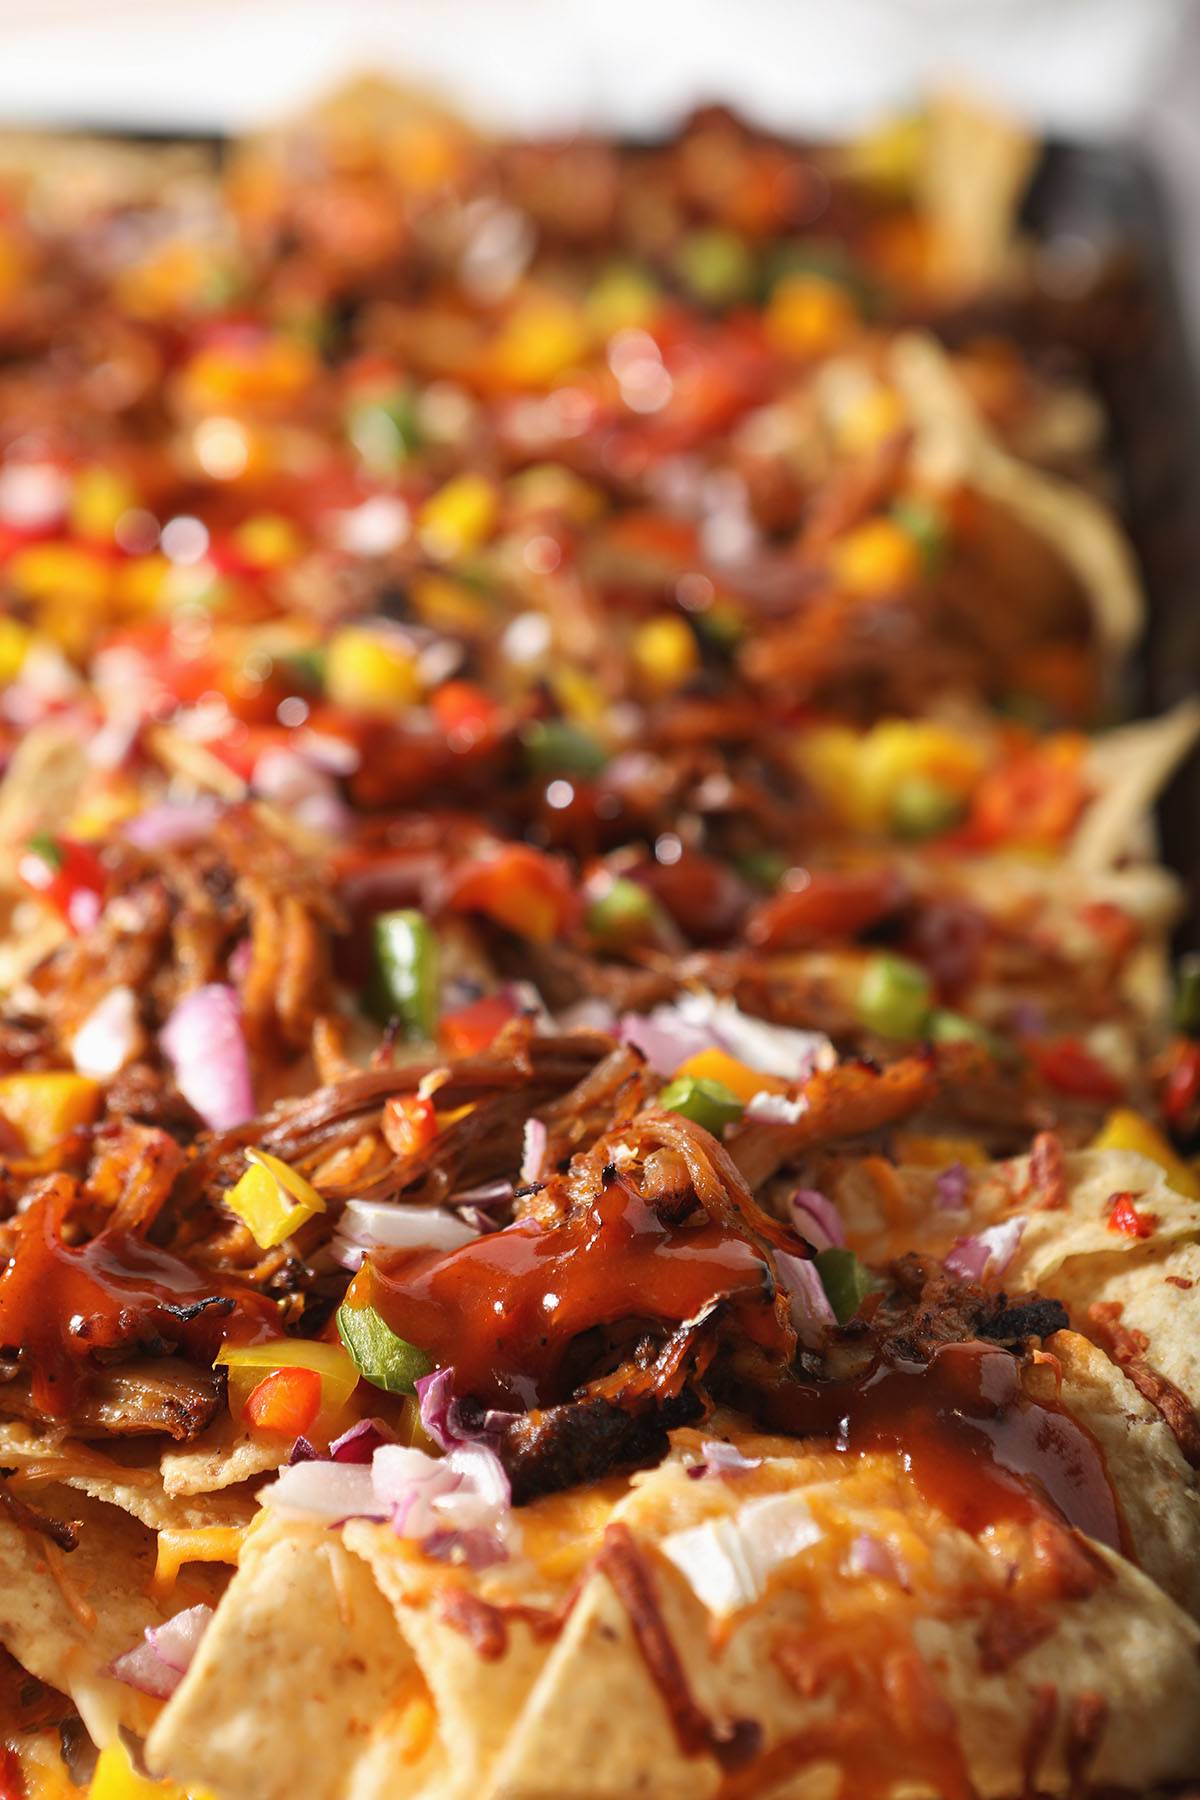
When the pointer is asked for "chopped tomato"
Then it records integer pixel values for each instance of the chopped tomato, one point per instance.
(521, 888)
(286, 1401)
(1123, 1216)
(68, 875)
(469, 1029)
(1067, 1066)
(464, 712)
(409, 1124)
(1035, 798)
(829, 905)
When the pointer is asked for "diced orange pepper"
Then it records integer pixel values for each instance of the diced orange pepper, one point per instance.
(470, 1029)
(738, 1077)
(521, 888)
(410, 1124)
(286, 1401)
(464, 712)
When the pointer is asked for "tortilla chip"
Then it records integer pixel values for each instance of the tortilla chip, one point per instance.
(976, 166)
(597, 1726)
(125, 1475)
(1155, 1489)
(953, 444)
(221, 1457)
(65, 1615)
(1130, 767)
(299, 1669)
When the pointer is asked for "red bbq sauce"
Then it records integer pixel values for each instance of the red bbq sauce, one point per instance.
(59, 1303)
(504, 1309)
(979, 1448)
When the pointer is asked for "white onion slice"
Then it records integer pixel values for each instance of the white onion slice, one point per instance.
(727, 1562)
(108, 1037)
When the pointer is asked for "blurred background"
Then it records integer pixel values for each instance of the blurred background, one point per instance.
(1091, 68)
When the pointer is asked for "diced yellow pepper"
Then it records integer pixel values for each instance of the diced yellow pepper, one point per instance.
(272, 1200)
(47, 1105)
(140, 583)
(738, 1077)
(60, 572)
(1128, 1130)
(178, 1545)
(248, 1364)
(876, 558)
(665, 653)
(621, 299)
(581, 698)
(875, 416)
(459, 517)
(448, 605)
(923, 1152)
(268, 540)
(14, 645)
(889, 157)
(109, 805)
(540, 341)
(115, 1778)
(101, 497)
(808, 315)
(896, 750)
(365, 670)
(548, 487)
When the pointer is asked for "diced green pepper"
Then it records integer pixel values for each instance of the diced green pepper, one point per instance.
(382, 1358)
(716, 267)
(845, 1281)
(894, 997)
(922, 807)
(707, 1103)
(765, 869)
(556, 747)
(943, 1027)
(624, 913)
(404, 979)
(924, 525)
(1187, 995)
(385, 431)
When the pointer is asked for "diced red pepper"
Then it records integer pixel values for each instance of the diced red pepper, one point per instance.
(521, 888)
(1035, 798)
(409, 1124)
(1067, 1066)
(464, 712)
(68, 875)
(1123, 1216)
(286, 1401)
(470, 1029)
(828, 906)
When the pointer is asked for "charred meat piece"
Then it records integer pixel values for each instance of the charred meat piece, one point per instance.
(583, 1440)
(132, 1400)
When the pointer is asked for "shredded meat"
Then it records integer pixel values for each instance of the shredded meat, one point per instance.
(134, 1400)
(562, 1446)
(929, 1307)
(1128, 1350)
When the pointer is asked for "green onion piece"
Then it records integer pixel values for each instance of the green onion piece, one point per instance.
(556, 747)
(385, 431)
(624, 913)
(707, 1103)
(845, 1281)
(404, 980)
(922, 807)
(1187, 995)
(924, 525)
(382, 1358)
(894, 997)
(716, 267)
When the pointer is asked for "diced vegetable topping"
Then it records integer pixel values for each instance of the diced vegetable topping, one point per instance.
(557, 747)
(380, 1357)
(272, 1199)
(707, 1103)
(404, 979)
(285, 1402)
(846, 1282)
(894, 997)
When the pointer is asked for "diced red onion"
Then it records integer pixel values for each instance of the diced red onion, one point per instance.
(720, 1458)
(812, 1315)
(664, 1037)
(327, 1490)
(359, 1444)
(476, 1549)
(488, 1193)
(450, 1421)
(302, 789)
(871, 1556)
(728, 1561)
(973, 1256)
(108, 1037)
(776, 1109)
(158, 1664)
(478, 1219)
(771, 1049)
(817, 1219)
(302, 1451)
(587, 1015)
(533, 1154)
(204, 1041)
(952, 1187)
(334, 754)
(171, 823)
(380, 1224)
